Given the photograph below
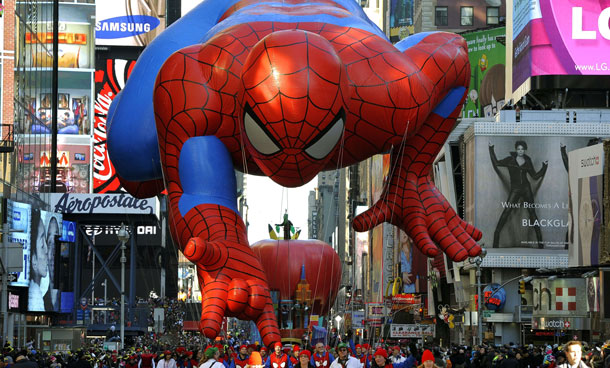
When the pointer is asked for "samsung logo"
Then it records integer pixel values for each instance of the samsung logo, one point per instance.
(125, 26)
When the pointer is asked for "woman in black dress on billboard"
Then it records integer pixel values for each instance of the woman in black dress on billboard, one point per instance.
(519, 165)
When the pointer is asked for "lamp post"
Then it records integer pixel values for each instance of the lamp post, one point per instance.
(123, 236)
(105, 284)
(478, 260)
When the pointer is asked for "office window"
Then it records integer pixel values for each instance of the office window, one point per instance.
(441, 17)
(493, 15)
(466, 16)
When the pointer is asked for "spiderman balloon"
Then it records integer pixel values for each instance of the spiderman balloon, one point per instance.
(286, 89)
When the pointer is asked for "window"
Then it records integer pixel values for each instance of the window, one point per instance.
(493, 15)
(441, 18)
(466, 16)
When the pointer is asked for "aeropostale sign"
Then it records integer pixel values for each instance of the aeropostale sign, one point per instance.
(123, 203)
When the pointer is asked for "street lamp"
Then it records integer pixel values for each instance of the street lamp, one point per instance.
(105, 285)
(123, 236)
(478, 260)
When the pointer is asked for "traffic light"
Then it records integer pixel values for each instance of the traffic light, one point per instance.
(521, 287)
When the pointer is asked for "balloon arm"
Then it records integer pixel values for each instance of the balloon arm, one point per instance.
(412, 202)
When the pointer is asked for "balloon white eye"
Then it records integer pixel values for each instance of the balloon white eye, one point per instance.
(325, 143)
(261, 141)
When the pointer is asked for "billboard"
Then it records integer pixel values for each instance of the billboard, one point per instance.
(122, 203)
(521, 201)
(43, 294)
(75, 46)
(110, 77)
(412, 264)
(487, 60)
(73, 112)
(401, 19)
(560, 297)
(380, 166)
(128, 22)
(559, 37)
(586, 204)
(73, 168)
(19, 219)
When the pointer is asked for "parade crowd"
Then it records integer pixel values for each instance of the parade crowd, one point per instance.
(222, 354)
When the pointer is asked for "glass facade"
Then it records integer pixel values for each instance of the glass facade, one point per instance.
(33, 91)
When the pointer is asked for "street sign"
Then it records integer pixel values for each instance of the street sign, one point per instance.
(14, 262)
(487, 313)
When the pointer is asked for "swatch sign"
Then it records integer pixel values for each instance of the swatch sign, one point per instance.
(125, 26)
(560, 37)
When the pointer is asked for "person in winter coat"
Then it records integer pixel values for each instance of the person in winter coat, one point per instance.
(573, 351)
(427, 360)
(510, 361)
(167, 361)
(211, 356)
(304, 359)
(380, 359)
(344, 360)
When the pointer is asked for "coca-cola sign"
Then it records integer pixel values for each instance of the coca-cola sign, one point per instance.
(110, 77)
(122, 203)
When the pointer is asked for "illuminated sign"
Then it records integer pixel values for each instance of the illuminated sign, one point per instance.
(127, 26)
(554, 37)
(70, 38)
(13, 301)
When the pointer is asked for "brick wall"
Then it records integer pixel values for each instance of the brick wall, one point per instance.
(8, 62)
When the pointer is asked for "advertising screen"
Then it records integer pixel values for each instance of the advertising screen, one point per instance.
(560, 37)
(521, 193)
(380, 167)
(401, 19)
(111, 75)
(128, 22)
(75, 46)
(586, 184)
(72, 174)
(43, 295)
(73, 112)
(487, 59)
(19, 217)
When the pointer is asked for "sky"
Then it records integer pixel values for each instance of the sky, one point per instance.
(267, 202)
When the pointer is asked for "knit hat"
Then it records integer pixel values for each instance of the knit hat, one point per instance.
(306, 353)
(296, 348)
(342, 345)
(277, 344)
(255, 359)
(381, 352)
(427, 355)
(210, 352)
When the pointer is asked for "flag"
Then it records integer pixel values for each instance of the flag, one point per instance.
(565, 298)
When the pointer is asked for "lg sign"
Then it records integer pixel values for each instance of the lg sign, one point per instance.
(578, 33)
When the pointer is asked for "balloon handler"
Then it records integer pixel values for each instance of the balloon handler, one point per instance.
(286, 90)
